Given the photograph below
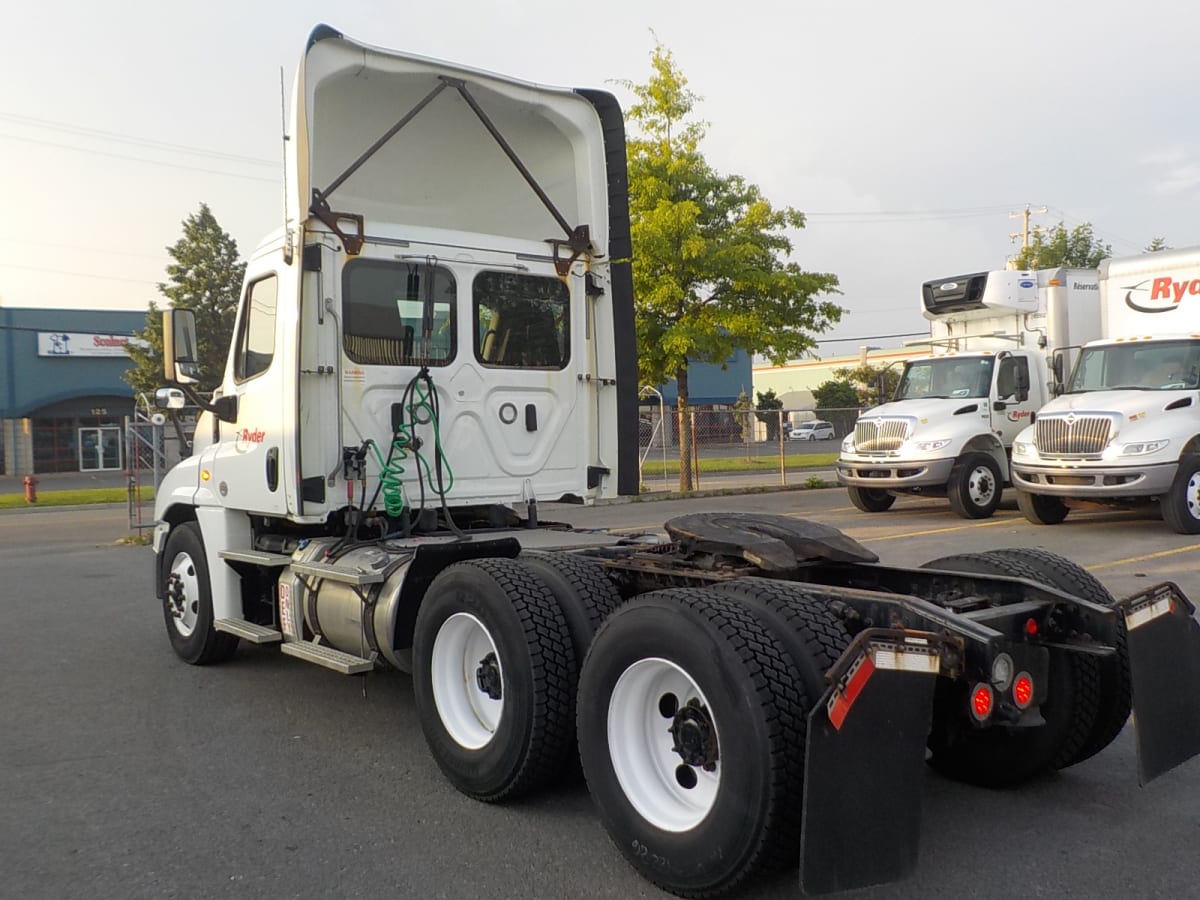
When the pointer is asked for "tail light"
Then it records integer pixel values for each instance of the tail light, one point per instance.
(1022, 690)
(981, 701)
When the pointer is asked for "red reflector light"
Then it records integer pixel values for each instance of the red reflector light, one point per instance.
(1031, 626)
(1023, 690)
(981, 701)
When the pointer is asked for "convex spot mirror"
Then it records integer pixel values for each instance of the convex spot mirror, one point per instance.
(169, 398)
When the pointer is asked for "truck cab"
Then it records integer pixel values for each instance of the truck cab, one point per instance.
(1000, 341)
(1126, 430)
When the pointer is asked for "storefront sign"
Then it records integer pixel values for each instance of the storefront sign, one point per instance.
(61, 343)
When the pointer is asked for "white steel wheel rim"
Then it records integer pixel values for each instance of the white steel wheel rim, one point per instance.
(469, 715)
(185, 613)
(641, 746)
(981, 496)
(1191, 497)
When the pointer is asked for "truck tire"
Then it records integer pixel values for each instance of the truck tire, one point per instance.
(1005, 757)
(871, 499)
(494, 675)
(1180, 507)
(187, 600)
(1116, 685)
(693, 669)
(584, 593)
(1042, 509)
(975, 486)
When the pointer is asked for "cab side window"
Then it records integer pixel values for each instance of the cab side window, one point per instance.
(256, 334)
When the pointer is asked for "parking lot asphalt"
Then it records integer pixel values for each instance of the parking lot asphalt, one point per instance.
(126, 773)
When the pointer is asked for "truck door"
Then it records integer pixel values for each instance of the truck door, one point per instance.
(247, 464)
(1011, 372)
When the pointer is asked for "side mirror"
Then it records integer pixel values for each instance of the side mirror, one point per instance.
(181, 354)
(170, 398)
(1021, 380)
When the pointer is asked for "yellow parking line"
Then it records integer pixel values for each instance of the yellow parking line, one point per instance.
(996, 520)
(1136, 559)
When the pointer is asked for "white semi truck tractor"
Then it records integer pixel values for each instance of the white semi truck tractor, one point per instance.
(995, 340)
(438, 339)
(1126, 430)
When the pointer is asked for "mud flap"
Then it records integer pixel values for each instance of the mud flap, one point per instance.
(1164, 664)
(864, 771)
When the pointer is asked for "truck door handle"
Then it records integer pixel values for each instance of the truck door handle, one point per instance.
(272, 469)
(530, 417)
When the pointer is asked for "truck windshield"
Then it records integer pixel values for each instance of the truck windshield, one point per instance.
(1137, 365)
(946, 377)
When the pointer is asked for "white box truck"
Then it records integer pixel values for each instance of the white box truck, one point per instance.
(999, 343)
(442, 336)
(1127, 427)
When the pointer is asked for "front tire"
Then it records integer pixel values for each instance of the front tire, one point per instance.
(186, 590)
(1042, 509)
(494, 676)
(975, 486)
(871, 499)
(1181, 506)
(690, 733)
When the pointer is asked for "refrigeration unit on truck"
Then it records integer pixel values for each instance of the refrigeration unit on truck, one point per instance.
(439, 339)
(1127, 428)
(948, 430)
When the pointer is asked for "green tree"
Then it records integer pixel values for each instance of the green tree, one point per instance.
(711, 262)
(838, 402)
(865, 379)
(1059, 247)
(768, 405)
(1156, 244)
(205, 275)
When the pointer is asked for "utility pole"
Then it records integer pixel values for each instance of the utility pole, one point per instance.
(1025, 231)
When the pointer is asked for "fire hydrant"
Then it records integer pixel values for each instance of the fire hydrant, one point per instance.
(31, 484)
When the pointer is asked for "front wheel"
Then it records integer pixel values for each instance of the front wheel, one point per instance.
(975, 486)
(187, 600)
(871, 499)
(1181, 506)
(1042, 509)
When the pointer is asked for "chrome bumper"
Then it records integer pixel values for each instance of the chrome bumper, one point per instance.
(894, 474)
(1108, 481)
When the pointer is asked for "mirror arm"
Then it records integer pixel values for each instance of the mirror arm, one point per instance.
(224, 408)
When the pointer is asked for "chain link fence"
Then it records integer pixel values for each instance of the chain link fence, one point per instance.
(701, 447)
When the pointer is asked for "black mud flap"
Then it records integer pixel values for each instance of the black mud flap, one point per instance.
(864, 773)
(1164, 664)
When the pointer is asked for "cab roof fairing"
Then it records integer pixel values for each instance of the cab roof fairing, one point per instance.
(443, 169)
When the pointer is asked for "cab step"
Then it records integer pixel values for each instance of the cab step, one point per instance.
(330, 658)
(248, 631)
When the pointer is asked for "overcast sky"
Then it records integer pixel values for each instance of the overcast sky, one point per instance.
(906, 132)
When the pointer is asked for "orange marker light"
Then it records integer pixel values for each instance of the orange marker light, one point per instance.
(205, 475)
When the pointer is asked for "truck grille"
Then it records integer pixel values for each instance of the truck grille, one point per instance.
(1073, 435)
(880, 435)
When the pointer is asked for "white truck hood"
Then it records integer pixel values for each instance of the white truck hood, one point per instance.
(924, 411)
(1131, 406)
(441, 169)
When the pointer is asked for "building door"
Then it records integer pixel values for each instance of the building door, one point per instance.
(99, 449)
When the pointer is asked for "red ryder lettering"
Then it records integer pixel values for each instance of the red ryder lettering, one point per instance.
(1167, 288)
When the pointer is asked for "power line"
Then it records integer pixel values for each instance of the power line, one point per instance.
(152, 162)
(108, 251)
(76, 274)
(133, 139)
(873, 337)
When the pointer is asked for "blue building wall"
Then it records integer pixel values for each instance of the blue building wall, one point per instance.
(710, 383)
(30, 383)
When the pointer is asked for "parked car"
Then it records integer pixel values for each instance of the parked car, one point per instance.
(813, 431)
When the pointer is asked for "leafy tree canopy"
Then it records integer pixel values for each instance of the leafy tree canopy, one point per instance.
(839, 394)
(711, 254)
(1059, 247)
(1157, 244)
(204, 275)
(865, 380)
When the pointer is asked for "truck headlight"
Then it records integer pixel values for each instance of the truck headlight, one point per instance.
(848, 444)
(1141, 448)
(930, 446)
(1022, 448)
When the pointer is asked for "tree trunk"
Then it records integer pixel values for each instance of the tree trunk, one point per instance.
(685, 429)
